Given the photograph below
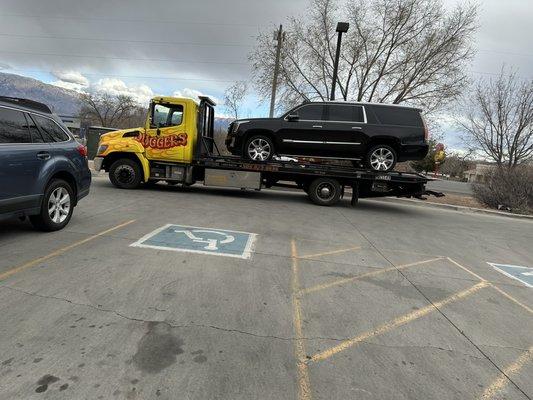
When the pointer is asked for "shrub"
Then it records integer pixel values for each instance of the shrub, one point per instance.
(507, 188)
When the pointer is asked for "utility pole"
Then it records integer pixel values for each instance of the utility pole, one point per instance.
(342, 27)
(279, 36)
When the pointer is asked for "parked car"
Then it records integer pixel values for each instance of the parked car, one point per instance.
(375, 135)
(43, 170)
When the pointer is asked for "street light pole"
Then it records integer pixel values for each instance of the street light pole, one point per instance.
(342, 27)
(279, 36)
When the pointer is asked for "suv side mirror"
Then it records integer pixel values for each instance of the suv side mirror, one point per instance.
(293, 117)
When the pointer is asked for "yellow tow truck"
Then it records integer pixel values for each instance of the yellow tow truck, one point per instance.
(176, 145)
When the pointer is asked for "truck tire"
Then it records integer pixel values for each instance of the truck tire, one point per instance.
(258, 148)
(57, 207)
(325, 191)
(125, 174)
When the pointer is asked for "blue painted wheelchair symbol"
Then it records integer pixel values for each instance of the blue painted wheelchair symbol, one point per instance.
(199, 240)
(522, 274)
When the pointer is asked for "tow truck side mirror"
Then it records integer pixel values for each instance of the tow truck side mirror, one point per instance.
(293, 117)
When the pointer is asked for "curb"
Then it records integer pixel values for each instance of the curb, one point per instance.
(473, 210)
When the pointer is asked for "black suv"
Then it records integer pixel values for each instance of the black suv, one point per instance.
(375, 135)
(43, 170)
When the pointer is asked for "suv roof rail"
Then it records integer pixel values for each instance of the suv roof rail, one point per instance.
(34, 105)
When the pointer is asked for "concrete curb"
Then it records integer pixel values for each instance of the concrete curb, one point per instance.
(425, 203)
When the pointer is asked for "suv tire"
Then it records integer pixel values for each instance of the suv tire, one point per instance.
(56, 208)
(258, 148)
(381, 158)
(125, 174)
(324, 191)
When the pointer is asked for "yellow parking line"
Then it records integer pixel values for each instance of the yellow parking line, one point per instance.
(365, 275)
(499, 383)
(397, 322)
(502, 292)
(304, 386)
(58, 252)
(330, 252)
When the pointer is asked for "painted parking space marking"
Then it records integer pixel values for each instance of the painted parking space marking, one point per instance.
(517, 272)
(195, 239)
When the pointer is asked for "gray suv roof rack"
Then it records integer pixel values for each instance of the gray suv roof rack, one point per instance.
(31, 104)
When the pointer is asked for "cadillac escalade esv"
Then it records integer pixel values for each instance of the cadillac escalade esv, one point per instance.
(375, 135)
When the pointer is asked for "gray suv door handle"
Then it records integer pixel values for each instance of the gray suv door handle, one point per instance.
(43, 155)
(317, 126)
(357, 127)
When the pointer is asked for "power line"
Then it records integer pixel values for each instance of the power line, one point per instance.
(121, 58)
(125, 40)
(173, 22)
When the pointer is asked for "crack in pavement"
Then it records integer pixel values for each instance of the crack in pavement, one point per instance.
(230, 330)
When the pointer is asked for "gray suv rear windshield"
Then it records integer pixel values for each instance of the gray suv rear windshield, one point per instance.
(398, 116)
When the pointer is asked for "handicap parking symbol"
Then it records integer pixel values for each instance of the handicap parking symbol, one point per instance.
(220, 242)
(522, 274)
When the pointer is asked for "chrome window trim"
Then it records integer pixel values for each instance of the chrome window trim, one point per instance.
(70, 138)
(365, 119)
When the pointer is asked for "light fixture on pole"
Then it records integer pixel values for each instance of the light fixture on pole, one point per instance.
(342, 27)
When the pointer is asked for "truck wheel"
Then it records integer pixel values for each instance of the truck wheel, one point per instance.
(325, 191)
(381, 158)
(56, 208)
(259, 148)
(125, 174)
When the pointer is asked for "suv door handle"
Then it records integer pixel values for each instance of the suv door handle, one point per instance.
(357, 127)
(43, 155)
(317, 126)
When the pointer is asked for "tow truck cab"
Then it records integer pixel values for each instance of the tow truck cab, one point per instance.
(176, 131)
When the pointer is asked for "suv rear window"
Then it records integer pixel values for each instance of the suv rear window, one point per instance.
(13, 127)
(50, 130)
(398, 116)
(346, 113)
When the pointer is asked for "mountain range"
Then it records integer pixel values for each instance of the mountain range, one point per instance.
(62, 101)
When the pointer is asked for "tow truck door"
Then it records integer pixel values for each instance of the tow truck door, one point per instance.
(166, 136)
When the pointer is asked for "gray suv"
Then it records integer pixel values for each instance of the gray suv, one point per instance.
(43, 169)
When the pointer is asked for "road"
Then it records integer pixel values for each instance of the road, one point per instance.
(382, 301)
(452, 187)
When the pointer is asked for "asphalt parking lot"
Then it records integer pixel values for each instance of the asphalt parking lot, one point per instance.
(382, 301)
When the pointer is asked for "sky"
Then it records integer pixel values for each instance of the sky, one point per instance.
(179, 47)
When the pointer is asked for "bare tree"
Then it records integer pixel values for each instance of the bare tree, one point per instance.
(498, 120)
(396, 51)
(457, 163)
(113, 111)
(234, 96)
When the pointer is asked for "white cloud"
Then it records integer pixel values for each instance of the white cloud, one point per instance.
(141, 93)
(70, 85)
(4, 66)
(74, 77)
(192, 94)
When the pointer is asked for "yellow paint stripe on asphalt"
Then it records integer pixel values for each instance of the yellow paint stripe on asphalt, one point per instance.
(395, 323)
(60, 251)
(502, 292)
(365, 275)
(327, 253)
(304, 386)
(502, 381)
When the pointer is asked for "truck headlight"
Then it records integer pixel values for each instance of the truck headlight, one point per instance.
(102, 148)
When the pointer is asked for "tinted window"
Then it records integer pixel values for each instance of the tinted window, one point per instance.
(34, 132)
(311, 112)
(398, 116)
(167, 115)
(13, 127)
(50, 129)
(346, 113)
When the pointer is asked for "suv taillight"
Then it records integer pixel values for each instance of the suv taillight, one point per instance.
(426, 130)
(82, 150)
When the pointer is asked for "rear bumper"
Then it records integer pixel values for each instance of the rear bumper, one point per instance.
(413, 151)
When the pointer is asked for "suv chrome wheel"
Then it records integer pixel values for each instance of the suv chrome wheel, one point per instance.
(382, 159)
(59, 205)
(259, 149)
